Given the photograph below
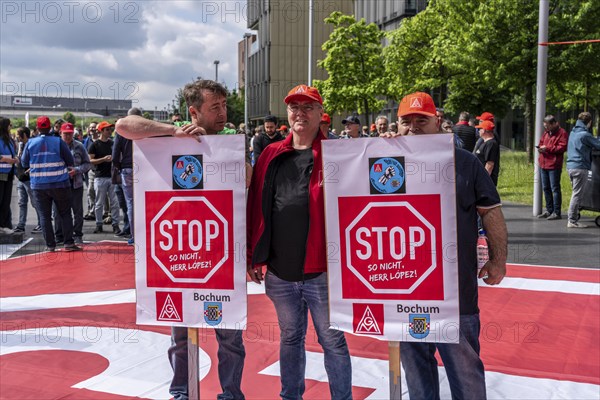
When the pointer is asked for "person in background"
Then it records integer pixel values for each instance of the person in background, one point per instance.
(80, 167)
(381, 123)
(24, 186)
(270, 135)
(352, 125)
(91, 137)
(488, 151)
(8, 159)
(551, 149)
(324, 127)
(123, 161)
(579, 162)
(51, 160)
(100, 153)
(467, 133)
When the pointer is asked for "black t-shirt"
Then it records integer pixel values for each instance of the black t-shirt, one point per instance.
(489, 151)
(101, 149)
(289, 216)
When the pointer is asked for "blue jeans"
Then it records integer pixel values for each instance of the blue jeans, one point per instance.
(231, 356)
(578, 181)
(103, 188)
(25, 194)
(292, 301)
(122, 205)
(463, 365)
(127, 178)
(62, 198)
(551, 188)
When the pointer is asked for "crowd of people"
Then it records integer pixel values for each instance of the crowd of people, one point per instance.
(53, 169)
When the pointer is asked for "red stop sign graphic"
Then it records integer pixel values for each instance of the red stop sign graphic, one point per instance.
(189, 239)
(391, 247)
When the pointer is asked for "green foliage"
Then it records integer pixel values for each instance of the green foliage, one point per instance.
(354, 64)
(69, 117)
(147, 115)
(235, 108)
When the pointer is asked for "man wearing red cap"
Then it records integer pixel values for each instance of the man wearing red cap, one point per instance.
(324, 127)
(207, 101)
(487, 150)
(475, 195)
(287, 191)
(50, 162)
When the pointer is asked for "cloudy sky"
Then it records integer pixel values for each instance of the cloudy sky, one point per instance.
(138, 50)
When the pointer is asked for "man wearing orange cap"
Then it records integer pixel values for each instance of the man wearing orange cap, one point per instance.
(487, 150)
(287, 191)
(207, 102)
(475, 195)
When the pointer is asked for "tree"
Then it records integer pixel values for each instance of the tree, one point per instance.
(69, 117)
(235, 108)
(147, 115)
(354, 64)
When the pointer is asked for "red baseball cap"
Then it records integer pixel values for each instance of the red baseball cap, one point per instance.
(43, 122)
(486, 125)
(283, 128)
(103, 125)
(326, 119)
(303, 92)
(486, 116)
(67, 127)
(417, 103)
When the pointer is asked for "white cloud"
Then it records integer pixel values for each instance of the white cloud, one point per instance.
(154, 47)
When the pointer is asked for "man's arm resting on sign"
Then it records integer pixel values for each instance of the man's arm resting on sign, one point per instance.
(134, 127)
(495, 227)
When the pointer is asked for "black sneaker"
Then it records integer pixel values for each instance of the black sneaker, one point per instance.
(18, 230)
(98, 229)
(89, 217)
(545, 214)
(37, 229)
(116, 230)
(72, 247)
(554, 216)
(122, 233)
(50, 249)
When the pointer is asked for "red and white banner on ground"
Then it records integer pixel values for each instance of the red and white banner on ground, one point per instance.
(189, 227)
(391, 233)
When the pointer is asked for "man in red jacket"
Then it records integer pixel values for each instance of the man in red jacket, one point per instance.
(286, 232)
(551, 148)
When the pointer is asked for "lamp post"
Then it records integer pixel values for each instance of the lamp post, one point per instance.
(310, 40)
(217, 70)
(247, 38)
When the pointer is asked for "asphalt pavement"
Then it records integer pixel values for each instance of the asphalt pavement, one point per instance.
(531, 240)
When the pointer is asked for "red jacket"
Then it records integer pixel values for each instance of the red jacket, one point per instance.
(259, 241)
(556, 145)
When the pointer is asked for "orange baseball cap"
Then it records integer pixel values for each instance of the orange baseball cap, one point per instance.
(103, 125)
(326, 118)
(486, 116)
(417, 103)
(486, 125)
(303, 92)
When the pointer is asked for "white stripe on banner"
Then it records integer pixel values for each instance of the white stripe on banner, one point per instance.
(48, 165)
(373, 373)
(546, 285)
(50, 173)
(7, 250)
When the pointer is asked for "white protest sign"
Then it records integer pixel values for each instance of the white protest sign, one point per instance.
(391, 233)
(190, 231)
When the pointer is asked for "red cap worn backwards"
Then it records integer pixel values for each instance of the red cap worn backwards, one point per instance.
(303, 92)
(43, 122)
(417, 103)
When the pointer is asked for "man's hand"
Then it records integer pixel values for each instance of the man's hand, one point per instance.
(390, 135)
(542, 149)
(107, 158)
(190, 131)
(255, 273)
(493, 272)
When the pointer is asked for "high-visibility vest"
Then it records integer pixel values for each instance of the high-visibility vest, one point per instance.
(46, 164)
(5, 150)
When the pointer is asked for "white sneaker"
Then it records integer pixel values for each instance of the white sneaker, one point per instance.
(6, 231)
(576, 225)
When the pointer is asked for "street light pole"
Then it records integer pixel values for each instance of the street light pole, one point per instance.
(217, 70)
(310, 40)
(247, 38)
